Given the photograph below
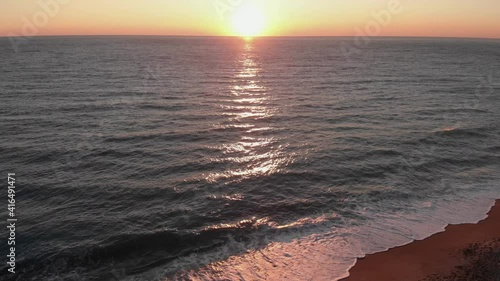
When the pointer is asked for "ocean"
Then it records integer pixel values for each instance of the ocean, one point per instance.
(214, 158)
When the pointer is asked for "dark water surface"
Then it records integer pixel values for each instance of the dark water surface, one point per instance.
(162, 158)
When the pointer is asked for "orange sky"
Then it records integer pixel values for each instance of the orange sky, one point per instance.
(443, 18)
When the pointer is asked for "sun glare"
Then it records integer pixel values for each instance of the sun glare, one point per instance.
(248, 21)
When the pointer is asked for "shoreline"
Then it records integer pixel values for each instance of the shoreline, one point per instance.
(453, 252)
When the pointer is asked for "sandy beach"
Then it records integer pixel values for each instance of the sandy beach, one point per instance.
(461, 252)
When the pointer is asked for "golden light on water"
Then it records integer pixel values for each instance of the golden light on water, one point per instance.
(310, 257)
(248, 106)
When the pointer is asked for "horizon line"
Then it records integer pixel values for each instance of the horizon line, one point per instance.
(256, 37)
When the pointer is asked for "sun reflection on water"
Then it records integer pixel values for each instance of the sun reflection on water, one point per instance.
(257, 152)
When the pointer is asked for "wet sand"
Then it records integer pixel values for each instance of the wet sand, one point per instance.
(457, 251)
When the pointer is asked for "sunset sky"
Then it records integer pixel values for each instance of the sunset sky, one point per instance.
(441, 18)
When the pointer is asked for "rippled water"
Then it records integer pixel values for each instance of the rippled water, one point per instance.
(162, 158)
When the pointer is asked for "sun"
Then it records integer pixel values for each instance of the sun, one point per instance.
(248, 21)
